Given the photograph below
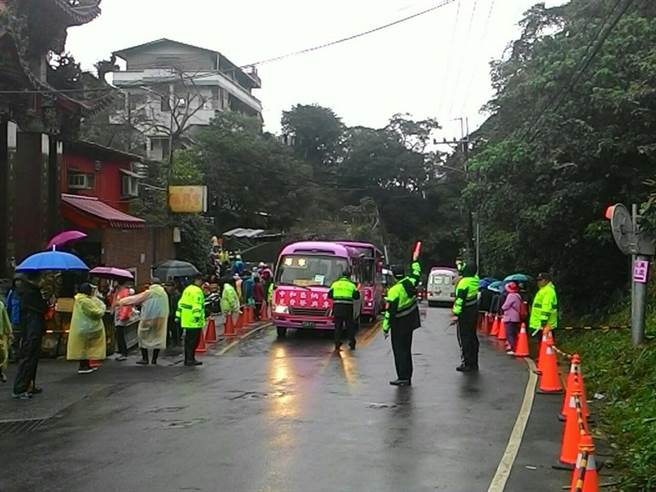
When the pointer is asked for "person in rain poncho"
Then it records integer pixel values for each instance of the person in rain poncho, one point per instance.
(86, 339)
(229, 297)
(5, 341)
(154, 316)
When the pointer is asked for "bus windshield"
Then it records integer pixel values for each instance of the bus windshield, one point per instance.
(310, 270)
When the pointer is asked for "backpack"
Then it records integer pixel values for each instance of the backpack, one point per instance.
(523, 311)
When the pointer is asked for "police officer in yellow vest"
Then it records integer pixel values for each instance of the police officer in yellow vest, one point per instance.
(191, 313)
(465, 312)
(402, 318)
(344, 293)
(544, 311)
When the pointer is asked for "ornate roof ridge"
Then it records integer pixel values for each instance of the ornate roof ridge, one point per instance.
(81, 13)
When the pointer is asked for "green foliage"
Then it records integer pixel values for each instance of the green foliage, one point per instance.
(541, 185)
(625, 376)
(253, 179)
(195, 245)
(317, 133)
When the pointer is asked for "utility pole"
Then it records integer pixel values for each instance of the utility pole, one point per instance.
(473, 240)
(464, 139)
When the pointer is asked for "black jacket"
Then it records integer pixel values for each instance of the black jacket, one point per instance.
(31, 298)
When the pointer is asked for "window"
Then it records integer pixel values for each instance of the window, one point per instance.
(81, 181)
(310, 270)
(129, 186)
(217, 98)
(136, 100)
(165, 104)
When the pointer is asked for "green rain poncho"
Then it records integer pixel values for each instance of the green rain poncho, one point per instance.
(86, 339)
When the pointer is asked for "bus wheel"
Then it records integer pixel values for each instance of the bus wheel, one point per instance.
(282, 331)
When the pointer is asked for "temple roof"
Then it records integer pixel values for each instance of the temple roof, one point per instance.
(78, 11)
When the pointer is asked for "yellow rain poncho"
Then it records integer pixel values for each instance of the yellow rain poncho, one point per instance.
(86, 340)
(154, 316)
(5, 336)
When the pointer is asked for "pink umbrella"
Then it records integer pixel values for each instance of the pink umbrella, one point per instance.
(65, 237)
(111, 272)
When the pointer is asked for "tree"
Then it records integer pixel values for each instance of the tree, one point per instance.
(253, 179)
(555, 153)
(317, 133)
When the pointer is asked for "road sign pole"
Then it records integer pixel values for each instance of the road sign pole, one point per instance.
(639, 300)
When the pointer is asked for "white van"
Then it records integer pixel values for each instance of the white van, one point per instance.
(441, 288)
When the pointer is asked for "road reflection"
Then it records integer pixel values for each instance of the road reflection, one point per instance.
(348, 364)
(282, 377)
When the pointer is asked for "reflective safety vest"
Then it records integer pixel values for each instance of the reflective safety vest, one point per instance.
(270, 293)
(343, 291)
(466, 294)
(405, 297)
(191, 308)
(545, 308)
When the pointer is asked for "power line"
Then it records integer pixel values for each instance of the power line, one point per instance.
(473, 72)
(448, 61)
(441, 4)
(461, 65)
(557, 99)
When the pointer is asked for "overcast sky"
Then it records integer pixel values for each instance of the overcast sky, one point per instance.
(436, 65)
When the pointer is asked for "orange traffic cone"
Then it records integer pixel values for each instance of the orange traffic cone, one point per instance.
(549, 378)
(210, 332)
(546, 335)
(522, 343)
(575, 382)
(201, 348)
(240, 320)
(585, 478)
(264, 312)
(229, 329)
(502, 331)
(250, 315)
(486, 324)
(575, 425)
(495, 326)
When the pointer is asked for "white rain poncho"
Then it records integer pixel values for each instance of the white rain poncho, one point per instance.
(86, 338)
(154, 316)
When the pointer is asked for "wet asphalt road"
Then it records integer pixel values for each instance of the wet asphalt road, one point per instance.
(286, 415)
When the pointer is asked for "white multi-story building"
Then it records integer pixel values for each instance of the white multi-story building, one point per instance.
(174, 88)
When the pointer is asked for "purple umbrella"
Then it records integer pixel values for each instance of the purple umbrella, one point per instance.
(111, 272)
(65, 237)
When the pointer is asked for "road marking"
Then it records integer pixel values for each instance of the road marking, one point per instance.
(234, 343)
(498, 483)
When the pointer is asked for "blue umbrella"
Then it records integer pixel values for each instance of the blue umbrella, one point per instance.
(484, 282)
(496, 286)
(52, 260)
(517, 277)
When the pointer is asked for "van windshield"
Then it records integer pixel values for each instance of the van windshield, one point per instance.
(310, 270)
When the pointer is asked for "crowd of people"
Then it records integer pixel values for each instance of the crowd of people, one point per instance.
(472, 300)
(165, 314)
